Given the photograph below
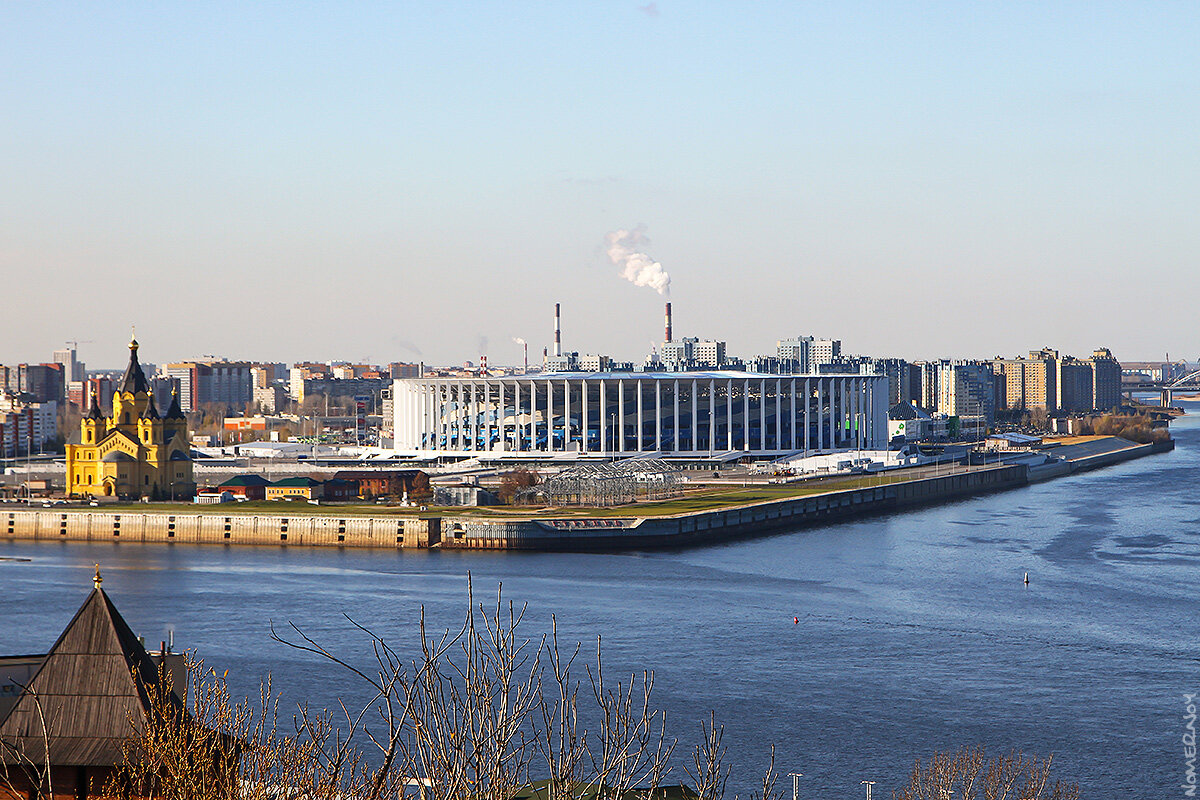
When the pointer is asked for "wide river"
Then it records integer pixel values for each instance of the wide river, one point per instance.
(916, 632)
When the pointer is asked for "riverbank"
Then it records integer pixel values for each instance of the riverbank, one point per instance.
(734, 513)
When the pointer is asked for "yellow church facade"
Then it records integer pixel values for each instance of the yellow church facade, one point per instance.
(136, 452)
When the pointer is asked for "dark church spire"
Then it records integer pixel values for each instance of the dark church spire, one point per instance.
(134, 380)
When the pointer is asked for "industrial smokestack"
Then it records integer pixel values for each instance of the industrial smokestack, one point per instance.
(525, 347)
(668, 323)
(557, 334)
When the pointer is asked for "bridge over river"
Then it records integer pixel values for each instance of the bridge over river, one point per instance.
(1188, 384)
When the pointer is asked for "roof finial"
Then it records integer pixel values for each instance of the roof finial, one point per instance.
(96, 581)
(133, 337)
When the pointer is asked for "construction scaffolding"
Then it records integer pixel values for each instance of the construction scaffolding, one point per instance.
(614, 484)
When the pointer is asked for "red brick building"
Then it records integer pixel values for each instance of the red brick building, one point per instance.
(381, 483)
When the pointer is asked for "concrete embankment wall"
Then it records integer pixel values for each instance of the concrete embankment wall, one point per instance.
(1058, 469)
(307, 530)
(682, 530)
(1118, 456)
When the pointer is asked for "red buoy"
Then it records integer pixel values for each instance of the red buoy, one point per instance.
(796, 620)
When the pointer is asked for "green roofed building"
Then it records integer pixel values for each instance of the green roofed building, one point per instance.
(248, 487)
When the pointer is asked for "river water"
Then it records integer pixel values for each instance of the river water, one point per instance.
(916, 632)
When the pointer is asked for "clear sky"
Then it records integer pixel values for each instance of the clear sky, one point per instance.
(424, 180)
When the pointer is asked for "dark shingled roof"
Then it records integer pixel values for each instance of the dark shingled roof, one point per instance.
(151, 411)
(906, 410)
(86, 692)
(174, 412)
(113, 456)
(134, 380)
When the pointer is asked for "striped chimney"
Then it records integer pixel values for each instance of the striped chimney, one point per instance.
(557, 334)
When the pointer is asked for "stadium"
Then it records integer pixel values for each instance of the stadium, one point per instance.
(718, 415)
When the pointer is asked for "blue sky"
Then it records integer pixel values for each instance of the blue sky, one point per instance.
(400, 181)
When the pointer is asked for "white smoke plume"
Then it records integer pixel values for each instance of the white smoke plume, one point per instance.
(519, 340)
(624, 248)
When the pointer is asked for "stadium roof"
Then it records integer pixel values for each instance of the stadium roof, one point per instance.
(717, 375)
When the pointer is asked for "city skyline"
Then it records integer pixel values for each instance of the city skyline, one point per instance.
(407, 184)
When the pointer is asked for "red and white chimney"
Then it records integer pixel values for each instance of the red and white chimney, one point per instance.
(668, 331)
(557, 334)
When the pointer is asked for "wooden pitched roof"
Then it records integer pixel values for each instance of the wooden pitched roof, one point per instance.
(85, 692)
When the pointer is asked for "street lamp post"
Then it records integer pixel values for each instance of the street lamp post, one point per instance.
(795, 776)
(868, 784)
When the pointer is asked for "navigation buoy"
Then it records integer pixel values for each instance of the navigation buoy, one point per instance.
(1026, 578)
(796, 620)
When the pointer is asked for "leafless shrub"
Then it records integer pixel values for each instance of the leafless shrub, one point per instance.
(25, 764)
(970, 775)
(482, 709)
(707, 767)
(213, 748)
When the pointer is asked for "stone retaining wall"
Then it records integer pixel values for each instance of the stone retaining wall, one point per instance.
(305, 529)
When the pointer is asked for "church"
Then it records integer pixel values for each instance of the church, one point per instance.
(136, 452)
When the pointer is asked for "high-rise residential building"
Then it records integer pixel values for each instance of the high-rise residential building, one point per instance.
(348, 371)
(43, 382)
(823, 351)
(265, 374)
(927, 382)
(564, 362)
(1106, 380)
(1030, 382)
(595, 363)
(219, 383)
(691, 353)
(1073, 384)
(709, 354)
(897, 371)
(83, 395)
(798, 351)
(269, 399)
(912, 387)
(964, 389)
(25, 425)
(678, 354)
(73, 369)
(399, 369)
